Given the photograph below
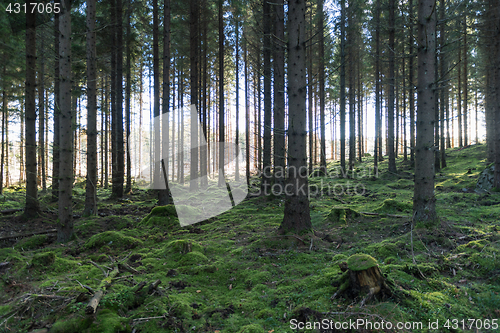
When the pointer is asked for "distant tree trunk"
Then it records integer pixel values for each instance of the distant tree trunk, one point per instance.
(279, 93)
(32, 208)
(390, 106)
(21, 145)
(247, 113)
(205, 148)
(496, 76)
(65, 225)
(221, 180)
(405, 139)
(117, 118)
(237, 69)
(5, 109)
(163, 195)
(466, 86)
(411, 91)
(106, 135)
(266, 158)
(377, 84)
(128, 88)
(322, 163)
(91, 183)
(310, 117)
(193, 54)
(342, 86)
(437, 162)
(352, 103)
(459, 90)
(360, 108)
(424, 200)
(57, 111)
(296, 218)
(444, 84)
(157, 178)
(41, 118)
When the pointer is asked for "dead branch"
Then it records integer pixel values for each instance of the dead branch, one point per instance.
(94, 301)
(29, 234)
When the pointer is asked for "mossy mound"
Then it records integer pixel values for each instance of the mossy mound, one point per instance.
(182, 246)
(342, 215)
(394, 206)
(45, 259)
(252, 328)
(32, 243)
(73, 325)
(193, 258)
(114, 239)
(165, 216)
(361, 262)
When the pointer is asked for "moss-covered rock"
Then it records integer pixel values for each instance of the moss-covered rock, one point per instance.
(182, 246)
(193, 258)
(342, 215)
(76, 324)
(45, 259)
(394, 206)
(361, 262)
(32, 243)
(164, 216)
(113, 239)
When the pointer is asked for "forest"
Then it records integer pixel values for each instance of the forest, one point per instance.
(250, 166)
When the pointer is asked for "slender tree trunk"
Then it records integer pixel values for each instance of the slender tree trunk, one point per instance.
(296, 217)
(437, 161)
(21, 145)
(459, 101)
(205, 146)
(222, 180)
(157, 176)
(247, 113)
(342, 86)
(117, 120)
(5, 108)
(424, 200)
(390, 106)
(106, 135)
(128, 88)
(55, 143)
(496, 76)
(377, 85)
(405, 139)
(65, 225)
(310, 116)
(236, 47)
(466, 97)
(41, 119)
(32, 208)
(266, 158)
(279, 93)
(193, 53)
(322, 162)
(411, 91)
(444, 85)
(91, 184)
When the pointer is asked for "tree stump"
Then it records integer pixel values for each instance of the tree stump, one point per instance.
(365, 277)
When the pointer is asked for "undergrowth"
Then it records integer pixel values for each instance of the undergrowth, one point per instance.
(234, 273)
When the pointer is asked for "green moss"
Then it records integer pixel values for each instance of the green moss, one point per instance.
(338, 258)
(164, 216)
(32, 243)
(252, 328)
(342, 215)
(193, 258)
(265, 313)
(41, 260)
(77, 324)
(394, 206)
(360, 262)
(108, 321)
(114, 239)
(182, 246)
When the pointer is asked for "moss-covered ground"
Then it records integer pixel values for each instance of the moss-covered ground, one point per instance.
(234, 273)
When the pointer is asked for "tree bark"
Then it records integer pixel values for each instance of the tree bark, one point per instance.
(55, 143)
(390, 106)
(32, 208)
(41, 118)
(193, 54)
(322, 163)
(266, 54)
(444, 84)
(128, 88)
(296, 217)
(65, 225)
(411, 91)
(342, 86)
(279, 94)
(424, 200)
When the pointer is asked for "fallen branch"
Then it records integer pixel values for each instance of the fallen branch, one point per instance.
(94, 301)
(148, 318)
(11, 211)
(389, 215)
(102, 269)
(29, 234)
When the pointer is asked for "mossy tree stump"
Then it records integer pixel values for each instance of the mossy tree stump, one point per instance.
(365, 277)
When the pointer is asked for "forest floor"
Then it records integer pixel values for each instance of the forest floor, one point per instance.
(234, 273)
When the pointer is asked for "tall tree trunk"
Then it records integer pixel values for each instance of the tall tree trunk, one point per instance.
(128, 88)
(247, 112)
(444, 84)
(32, 208)
(163, 195)
(424, 200)
(237, 51)
(390, 106)
(205, 146)
(297, 217)
(22, 170)
(222, 153)
(5, 109)
(437, 162)
(322, 163)
(91, 184)
(411, 89)
(466, 97)
(117, 120)
(65, 225)
(377, 85)
(279, 93)
(106, 135)
(193, 54)
(342, 86)
(41, 119)
(266, 54)
(310, 117)
(459, 95)
(496, 77)
(55, 143)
